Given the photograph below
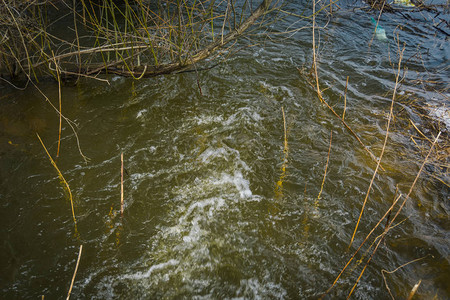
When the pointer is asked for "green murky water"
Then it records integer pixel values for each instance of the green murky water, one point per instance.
(215, 208)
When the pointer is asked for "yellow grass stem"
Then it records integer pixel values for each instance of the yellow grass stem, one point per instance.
(354, 134)
(75, 272)
(76, 35)
(60, 104)
(389, 226)
(325, 172)
(345, 99)
(121, 184)
(384, 146)
(71, 123)
(414, 290)
(418, 130)
(279, 186)
(61, 177)
(285, 133)
(319, 93)
(360, 246)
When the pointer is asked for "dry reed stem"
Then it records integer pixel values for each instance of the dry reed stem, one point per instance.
(319, 93)
(60, 105)
(121, 185)
(76, 35)
(389, 226)
(376, 25)
(360, 246)
(71, 123)
(386, 230)
(384, 146)
(396, 269)
(365, 266)
(418, 130)
(354, 134)
(62, 179)
(326, 168)
(75, 272)
(414, 290)
(345, 99)
(21, 37)
(279, 186)
(285, 132)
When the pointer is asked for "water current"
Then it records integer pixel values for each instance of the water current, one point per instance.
(217, 206)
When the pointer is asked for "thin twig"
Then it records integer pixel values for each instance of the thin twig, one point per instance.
(398, 212)
(121, 184)
(86, 159)
(360, 246)
(326, 167)
(414, 290)
(384, 146)
(75, 272)
(396, 269)
(62, 179)
(60, 105)
(354, 134)
(345, 99)
(319, 93)
(285, 132)
(279, 186)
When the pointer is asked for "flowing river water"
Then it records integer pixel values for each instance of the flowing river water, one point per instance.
(217, 206)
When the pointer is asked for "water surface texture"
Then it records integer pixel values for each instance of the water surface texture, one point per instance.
(216, 207)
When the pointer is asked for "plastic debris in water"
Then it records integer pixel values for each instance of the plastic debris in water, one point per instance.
(379, 31)
(405, 3)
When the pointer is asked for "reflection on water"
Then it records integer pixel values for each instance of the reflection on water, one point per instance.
(204, 218)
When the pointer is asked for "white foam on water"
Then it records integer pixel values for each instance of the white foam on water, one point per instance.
(245, 114)
(241, 184)
(228, 154)
(211, 153)
(202, 120)
(157, 267)
(141, 113)
(277, 89)
(441, 113)
(186, 250)
(252, 288)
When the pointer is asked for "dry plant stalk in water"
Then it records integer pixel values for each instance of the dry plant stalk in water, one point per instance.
(384, 145)
(61, 177)
(74, 273)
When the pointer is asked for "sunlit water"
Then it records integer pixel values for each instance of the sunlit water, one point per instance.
(215, 206)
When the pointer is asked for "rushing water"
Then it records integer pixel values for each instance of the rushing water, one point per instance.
(215, 206)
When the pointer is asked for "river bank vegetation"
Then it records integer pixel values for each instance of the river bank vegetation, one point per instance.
(129, 38)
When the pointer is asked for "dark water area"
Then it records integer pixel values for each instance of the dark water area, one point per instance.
(216, 207)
